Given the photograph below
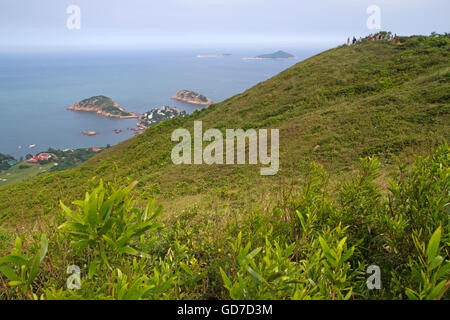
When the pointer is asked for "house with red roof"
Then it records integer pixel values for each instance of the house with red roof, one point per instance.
(40, 157)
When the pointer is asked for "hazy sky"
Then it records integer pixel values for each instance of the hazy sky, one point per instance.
(41, 24)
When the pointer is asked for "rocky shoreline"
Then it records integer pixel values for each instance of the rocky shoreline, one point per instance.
(106, 107)
(104, 114)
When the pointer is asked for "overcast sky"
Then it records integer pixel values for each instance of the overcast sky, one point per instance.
(41, 24)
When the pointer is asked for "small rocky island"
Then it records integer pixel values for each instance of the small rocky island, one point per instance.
(90, 133)
(192, 97)
(103, 106)
(279, 55)
(158, 115)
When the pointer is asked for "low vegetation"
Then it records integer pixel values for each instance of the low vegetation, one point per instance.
(309, 246)
(23, 171)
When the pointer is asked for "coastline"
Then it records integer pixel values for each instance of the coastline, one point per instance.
(134, 115)
(192, 101)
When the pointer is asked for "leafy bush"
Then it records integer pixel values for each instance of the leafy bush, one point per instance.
(21, 269)
(315, 244)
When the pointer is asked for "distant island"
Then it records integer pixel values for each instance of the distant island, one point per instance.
(192, 97)
(214, 55)
(103, 106)
(279, 55)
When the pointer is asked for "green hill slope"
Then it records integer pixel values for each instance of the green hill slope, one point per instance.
(225, 232)
(377, 98)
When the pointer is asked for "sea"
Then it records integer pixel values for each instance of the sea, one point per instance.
(36, 88)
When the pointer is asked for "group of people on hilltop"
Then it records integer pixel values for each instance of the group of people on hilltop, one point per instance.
(354, 40)
(371, 37)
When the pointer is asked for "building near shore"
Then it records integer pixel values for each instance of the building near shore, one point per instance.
(40, 157)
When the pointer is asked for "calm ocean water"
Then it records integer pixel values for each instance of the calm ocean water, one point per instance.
(36, 89)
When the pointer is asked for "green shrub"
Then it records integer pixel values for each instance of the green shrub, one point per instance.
(316, 244)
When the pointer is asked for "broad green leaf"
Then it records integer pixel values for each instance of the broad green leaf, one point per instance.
(433, 245)
(70, 213)
(186, 269)
(157, 213)
(15, 283)
(92, 214)
(255, 275)
(225, 279)
(412, 295)
(81, 243)
(436, 262)
(347, 255)
(436, 290)
(74, 226)
(13, 258)
(327, 252)
(34, 269)
(44, 248)
(92, 268)
(18, 245)
(109, 240)
(123, 240)
(128, 250)
(9, 272)
(341, 243)
(443, 290)
(254, 253)
(275, 276)
(443, 270)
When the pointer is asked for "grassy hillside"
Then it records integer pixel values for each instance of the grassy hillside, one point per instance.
(21, 171)
(363, 181)
(377, 98)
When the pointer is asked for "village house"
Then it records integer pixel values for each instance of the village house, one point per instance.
(40, 157)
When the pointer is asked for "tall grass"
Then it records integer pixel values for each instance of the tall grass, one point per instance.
(315, 243)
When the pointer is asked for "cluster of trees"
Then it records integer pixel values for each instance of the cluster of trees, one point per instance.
(65, 159)
(71, 158)
(4, 159)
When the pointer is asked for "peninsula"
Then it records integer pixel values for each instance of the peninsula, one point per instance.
(158, 115)
(192, 97)
(103, 106)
